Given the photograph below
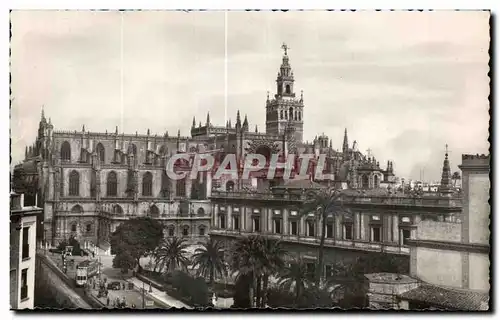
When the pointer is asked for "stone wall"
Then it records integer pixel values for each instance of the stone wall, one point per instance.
(52, 292)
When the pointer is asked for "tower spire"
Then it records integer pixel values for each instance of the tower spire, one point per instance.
(208, 118)
(194, 122)
(445, 186)
(345, 145)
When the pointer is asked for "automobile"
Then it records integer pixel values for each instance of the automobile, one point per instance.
(115, 285)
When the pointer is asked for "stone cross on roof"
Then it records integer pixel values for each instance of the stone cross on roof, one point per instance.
(285, 48)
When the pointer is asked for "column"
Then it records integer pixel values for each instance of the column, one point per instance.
(216, 215)
(270, 213)
(395, 228)
(357, 231)
(302, 226)
(387, 228)
(230, 217)
(338, 228)
(285, 221)
(319, 224)
(243, 216)
(362, 229)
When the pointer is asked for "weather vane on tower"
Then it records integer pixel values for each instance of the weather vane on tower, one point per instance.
(285, 48)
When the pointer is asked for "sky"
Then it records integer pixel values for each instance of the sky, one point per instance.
(404, 84)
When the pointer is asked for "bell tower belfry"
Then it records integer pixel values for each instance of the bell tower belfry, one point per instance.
(285, 109)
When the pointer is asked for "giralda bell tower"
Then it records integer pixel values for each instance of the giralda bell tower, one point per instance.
(285, 109)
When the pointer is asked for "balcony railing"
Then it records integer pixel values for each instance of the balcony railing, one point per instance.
(347, 199)
(335, 243)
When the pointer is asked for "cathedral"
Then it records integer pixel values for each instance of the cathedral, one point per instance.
(90, 182)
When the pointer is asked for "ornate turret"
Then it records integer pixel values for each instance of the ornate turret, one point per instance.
(345, 146)
(245, 124)
(238, 120)
(446, 187)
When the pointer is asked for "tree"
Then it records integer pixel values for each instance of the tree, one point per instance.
(171, 255)
(256, 259)
(124, 261)
(456, 176)
(210, 260)
(294, 278)
(274, 255)
(323, 203)
(136, 238)
(76, 249)
(247, 261)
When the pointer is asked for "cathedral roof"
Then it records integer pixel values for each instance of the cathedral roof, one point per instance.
(300, 184)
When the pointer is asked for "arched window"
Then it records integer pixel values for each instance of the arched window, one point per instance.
(93, 183)
(185, 231)
(171, 231)
(163, 151)
(66, 151)
(286, 115)
(287, 89)
(300, 115)
(180, 190)
(375, 181)
(202, 230)
(100, 153)
(89, 227)
(229, 186)
(165, 184)
(111, 184)
(365, 182)
(290, 112)
(117, 209)
(310, 228)
(296, 115)
(74, 183)
(154, 211)
(201, 212)
(132, 149)
(147, 184)
(73, 227)
(281, 114)
(77, 209)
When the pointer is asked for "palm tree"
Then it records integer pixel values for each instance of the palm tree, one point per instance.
(456, 176)
(294, 277)
(323, 202)
(273, 258)
(247, 259)
(210, 260)
(172, 255)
